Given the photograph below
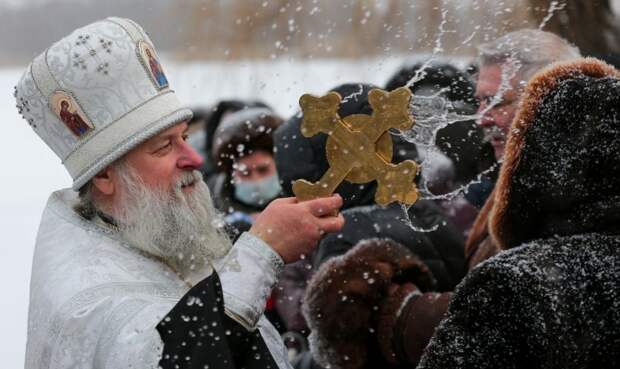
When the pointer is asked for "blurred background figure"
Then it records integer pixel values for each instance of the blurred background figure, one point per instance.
(242, 152)
(196, 131)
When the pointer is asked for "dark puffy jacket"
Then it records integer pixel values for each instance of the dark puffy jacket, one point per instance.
(438, 244)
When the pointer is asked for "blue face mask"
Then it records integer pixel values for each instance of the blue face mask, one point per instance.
(258, 193)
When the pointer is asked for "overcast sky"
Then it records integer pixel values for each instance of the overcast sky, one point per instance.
(27, 3)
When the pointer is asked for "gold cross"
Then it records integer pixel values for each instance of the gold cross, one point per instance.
(359, 147)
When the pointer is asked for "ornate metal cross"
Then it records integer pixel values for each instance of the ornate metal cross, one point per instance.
(359, 147)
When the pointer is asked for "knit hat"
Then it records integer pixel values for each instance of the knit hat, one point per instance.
(242, 133)
(96, 94)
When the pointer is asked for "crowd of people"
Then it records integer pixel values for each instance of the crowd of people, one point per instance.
(181, 244)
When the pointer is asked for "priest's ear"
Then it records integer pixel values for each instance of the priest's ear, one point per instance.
(105, 181)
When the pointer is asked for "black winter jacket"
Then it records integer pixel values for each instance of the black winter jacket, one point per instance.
(432, 238)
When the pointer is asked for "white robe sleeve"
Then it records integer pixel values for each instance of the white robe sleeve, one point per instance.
(248, 273)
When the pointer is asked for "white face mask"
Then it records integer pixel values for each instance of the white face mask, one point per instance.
(258, 193)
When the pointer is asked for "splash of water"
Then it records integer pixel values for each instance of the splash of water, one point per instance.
(438, 44)
(421, 72)
(353, 95)
(553, 7)
(432, 113)
(407, 221)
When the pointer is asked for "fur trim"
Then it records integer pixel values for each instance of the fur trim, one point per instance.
(480, 229)
(538, 87)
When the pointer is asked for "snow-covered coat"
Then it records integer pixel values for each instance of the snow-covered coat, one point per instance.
(551, 299)
(95, 301)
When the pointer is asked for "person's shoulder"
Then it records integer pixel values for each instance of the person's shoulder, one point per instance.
(545, 261)
(515, 262)
(557, 249)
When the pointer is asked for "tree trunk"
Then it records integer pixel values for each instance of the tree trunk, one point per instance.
(591, 25)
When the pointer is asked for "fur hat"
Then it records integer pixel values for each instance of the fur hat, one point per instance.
(561, 171)
(96, 94)
(220, 110)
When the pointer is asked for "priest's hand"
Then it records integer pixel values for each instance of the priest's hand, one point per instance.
(294, 228)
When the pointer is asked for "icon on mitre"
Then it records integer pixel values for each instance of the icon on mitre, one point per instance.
(152, 65)
(69, 112)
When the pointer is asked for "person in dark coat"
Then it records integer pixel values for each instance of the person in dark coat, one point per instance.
(550, 299)
(247, 179)
(430, 236)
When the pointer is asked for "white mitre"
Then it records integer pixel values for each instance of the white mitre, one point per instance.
(96, 94)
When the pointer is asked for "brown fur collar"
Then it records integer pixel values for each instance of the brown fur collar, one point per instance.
(480, 230)
(539, 86)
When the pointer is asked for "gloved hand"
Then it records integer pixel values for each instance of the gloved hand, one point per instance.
(407, 321)
(389, 312)
(342, 300)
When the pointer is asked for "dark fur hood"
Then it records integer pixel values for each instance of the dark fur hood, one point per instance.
(561, 171)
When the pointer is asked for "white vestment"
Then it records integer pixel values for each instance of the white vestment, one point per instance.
(95, 301)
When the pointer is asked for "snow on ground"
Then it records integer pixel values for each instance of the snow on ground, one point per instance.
(30, 171)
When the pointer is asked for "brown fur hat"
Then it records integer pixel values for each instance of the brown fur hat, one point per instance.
(561, 170)
(342, 298)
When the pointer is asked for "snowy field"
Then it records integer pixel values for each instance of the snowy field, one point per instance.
(30, 171)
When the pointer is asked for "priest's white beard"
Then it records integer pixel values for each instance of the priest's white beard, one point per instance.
(181, 228)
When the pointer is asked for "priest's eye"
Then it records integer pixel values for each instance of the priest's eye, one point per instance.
(164, 149)
(185, 137)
